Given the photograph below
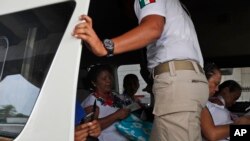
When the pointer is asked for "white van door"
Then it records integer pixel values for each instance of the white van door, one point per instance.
(39, 64)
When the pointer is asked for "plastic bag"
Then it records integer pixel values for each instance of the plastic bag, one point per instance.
(134, 128)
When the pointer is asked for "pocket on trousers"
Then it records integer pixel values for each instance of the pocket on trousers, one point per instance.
(199, 81)
(202, 91)
(163, 93)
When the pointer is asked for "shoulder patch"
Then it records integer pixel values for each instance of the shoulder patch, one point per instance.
(143, 3)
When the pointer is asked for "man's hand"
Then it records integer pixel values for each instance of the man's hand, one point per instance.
(87, 129)
(85, 31)
(94, 128)
(81, 132)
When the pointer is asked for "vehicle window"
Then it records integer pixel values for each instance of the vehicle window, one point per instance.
(242, 76)
(133, 69)
(28, 43)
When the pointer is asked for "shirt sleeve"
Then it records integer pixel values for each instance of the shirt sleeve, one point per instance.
(144, 8)
(88, 101)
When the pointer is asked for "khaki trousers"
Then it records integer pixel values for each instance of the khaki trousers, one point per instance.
(179, 97)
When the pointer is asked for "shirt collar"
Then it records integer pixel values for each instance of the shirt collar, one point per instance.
(222, 100)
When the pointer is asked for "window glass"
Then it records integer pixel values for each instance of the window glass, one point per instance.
(133, 69)
(242, 76)
(28, 43)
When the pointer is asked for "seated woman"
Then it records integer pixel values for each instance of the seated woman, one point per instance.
(110, 105)
(211, 130)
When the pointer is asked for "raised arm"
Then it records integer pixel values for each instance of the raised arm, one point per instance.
(149, 30)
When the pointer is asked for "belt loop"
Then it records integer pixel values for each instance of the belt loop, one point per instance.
(196, 67)
(172, 68)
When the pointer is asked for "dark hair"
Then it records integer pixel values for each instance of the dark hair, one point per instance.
(231, 84)
(94, 72)
(210, 69)
(130, 84)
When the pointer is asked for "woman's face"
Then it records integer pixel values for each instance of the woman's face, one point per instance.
(104, 82)
(214, 82)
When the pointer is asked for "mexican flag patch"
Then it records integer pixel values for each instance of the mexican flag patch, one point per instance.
(145, 2)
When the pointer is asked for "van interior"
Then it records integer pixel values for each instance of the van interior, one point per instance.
(222, 27)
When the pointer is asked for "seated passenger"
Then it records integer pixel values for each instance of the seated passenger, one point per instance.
(211, 130)
(130, 87)
(229, 92)
(110, 105)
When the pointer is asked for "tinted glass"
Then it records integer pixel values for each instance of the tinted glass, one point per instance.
(28, 43)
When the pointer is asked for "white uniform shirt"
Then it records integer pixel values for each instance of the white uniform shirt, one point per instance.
(178, 40)
(110, 133)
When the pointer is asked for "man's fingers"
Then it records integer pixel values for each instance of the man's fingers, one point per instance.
(86, 19)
